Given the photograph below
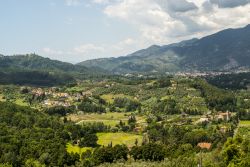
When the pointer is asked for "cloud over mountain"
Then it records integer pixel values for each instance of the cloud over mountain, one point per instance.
(161, 21)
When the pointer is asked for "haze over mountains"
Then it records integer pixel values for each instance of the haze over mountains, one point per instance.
(226, 50)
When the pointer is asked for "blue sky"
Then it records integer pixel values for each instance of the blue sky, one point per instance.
(77, 30)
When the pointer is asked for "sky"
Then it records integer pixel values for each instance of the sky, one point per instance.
(78, 30)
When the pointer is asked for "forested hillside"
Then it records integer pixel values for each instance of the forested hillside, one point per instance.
(225, 50)
(36, 70)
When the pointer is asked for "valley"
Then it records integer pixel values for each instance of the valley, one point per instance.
(125, 83)
(176, 113)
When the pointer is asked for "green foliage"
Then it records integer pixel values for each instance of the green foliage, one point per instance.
(236, 151)
(90, 107)
(231, 81)
(38, 78)
(110, 154)
(60, 110)
(128, 104)
(148, 152)
(28, 136)
(90, 140)
(218, 99)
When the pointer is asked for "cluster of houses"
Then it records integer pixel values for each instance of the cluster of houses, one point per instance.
(53, 97)
(223, 116)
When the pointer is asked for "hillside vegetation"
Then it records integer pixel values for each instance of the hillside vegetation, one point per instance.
(32, 69)
(225, 50)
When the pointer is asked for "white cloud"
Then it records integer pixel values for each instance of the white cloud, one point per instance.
(177, 5)
(159, 22)
(162, 21)
(154, 24)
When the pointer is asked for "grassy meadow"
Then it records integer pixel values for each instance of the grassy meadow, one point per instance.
(128, 139)
(245, 124)
(76, 149)
(1, 98)
(244, 129)
(109, 118)
(110, 97)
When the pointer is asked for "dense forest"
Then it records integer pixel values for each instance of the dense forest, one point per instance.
(38, 78)
(231, 81)
(32, 69)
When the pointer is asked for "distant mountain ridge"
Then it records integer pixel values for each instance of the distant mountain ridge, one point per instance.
(226, 50)
(35, 62)
(32, 69)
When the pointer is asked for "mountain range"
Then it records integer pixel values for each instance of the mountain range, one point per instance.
(223, 51)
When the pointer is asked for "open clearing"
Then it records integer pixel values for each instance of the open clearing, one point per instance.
(1, 98)
(110, 118)
(128, 139)
(110, 97)
(76, 149)
(104, 117)
(244, 129)
(245, 123)
(21, 102)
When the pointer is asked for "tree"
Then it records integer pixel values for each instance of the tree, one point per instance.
(89, 140)
(151, 152)
(103, 154)
(120, 152)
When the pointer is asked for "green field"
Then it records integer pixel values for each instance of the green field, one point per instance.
(244, 129)
(75, 89)
(110, 97)
(110, 118)
(21, 102)
(128, 139)
(1, 98)
(76, 149)
(245, 123)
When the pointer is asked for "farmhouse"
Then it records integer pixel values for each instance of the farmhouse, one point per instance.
(204, 145)
(38, 92)
(203, 119)
(87, 93)
(225, 116)
(223, 129)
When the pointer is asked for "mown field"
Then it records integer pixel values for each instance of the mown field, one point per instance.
(245, 124)
(20, 102)
(244, 129)
(110, 118)
(105, 139)
(128, 139)
(76, 149)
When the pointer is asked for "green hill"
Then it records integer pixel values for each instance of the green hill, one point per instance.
(32, 69)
